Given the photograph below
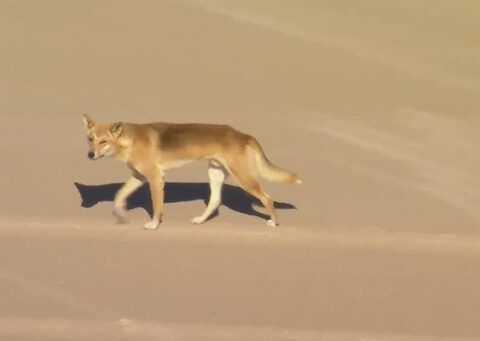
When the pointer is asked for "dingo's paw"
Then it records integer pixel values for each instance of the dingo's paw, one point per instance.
(271, 223)
(152, 225)
(120, 215)
(197, 220)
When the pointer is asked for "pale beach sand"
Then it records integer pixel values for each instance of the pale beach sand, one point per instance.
(374, 103)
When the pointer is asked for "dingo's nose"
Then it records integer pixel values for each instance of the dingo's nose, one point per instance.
(91, 155)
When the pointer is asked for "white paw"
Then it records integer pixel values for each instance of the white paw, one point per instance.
(197, 220)
(271, 223)
(152, 225)
(120, 215)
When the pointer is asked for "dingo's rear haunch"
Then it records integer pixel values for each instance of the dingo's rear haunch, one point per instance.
(150, 149)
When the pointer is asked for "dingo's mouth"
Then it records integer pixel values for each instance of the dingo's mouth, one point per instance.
(93, 156)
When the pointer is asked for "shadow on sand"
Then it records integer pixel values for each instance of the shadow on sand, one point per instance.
(233, 197)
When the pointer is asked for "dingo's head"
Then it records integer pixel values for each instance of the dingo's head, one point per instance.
(102, 138)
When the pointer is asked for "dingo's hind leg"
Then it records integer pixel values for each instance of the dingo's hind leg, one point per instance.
(217, 175)
(245, 177)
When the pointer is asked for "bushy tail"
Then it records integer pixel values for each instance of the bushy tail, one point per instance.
(267, 169)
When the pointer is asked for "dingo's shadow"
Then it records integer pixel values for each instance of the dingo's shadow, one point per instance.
(233, 197)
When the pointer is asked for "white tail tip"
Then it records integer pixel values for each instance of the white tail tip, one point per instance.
(299, 181)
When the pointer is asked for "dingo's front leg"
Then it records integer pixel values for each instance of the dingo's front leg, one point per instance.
(155, 181)
(119, 203)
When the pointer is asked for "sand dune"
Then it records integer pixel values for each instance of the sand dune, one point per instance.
(375, 105)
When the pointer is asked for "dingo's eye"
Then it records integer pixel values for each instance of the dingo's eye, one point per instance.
(102, 142)
(90, 138)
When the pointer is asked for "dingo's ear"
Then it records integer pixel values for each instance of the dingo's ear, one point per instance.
(88, 122)
(116, 129)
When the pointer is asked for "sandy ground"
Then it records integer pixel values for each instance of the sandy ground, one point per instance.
(374, 103)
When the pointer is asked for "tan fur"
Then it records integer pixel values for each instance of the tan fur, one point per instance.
(150, 149)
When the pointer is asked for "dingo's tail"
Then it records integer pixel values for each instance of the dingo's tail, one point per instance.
(267, 169)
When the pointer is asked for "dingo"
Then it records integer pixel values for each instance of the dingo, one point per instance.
(150, 149)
